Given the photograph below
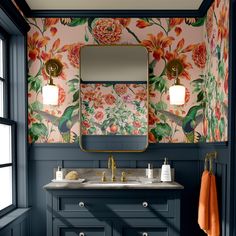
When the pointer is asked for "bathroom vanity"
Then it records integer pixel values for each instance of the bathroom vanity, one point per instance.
(130, 208)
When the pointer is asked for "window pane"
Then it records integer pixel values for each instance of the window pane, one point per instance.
(6, 187)
(1, 98)
(1, 59)
(5, 144)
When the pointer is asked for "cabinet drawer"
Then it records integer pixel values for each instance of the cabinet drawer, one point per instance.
(75, 227)
(114, 207)
(146, 231)
(81, 231)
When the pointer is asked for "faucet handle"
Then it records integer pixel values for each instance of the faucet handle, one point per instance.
(123, 177)
(104, 176)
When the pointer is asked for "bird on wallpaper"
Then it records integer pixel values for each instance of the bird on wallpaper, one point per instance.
(65, 122)
(188, 123)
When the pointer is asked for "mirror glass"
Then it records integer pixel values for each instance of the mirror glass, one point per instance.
(114, 98)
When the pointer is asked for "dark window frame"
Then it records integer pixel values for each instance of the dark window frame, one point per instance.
(5, 120)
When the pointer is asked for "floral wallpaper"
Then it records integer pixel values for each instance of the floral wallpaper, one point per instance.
(214, 81)
(119, 109)
(200, 45)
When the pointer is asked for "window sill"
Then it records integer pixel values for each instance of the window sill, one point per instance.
(13, 217)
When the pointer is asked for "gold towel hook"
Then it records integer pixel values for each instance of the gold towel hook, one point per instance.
(209, 157)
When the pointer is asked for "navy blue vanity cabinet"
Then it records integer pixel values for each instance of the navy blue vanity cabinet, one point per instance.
(113, 212)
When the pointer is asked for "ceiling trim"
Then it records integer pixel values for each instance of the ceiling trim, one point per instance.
(114, 13)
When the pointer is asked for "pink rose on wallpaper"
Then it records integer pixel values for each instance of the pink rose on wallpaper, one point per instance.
(99, 115)
(107, 30)
(209, 21)
(142, 24)
(73, 54)
(109, 99)
(200, 55)
(86, 124)
(137, 124)
(157, 44)
(121, 89)
(136, 132)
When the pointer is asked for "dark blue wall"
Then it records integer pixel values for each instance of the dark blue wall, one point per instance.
(187, 159)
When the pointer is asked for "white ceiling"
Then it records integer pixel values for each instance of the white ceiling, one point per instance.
(114, 4)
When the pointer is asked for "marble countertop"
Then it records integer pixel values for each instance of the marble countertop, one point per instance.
(135, 180)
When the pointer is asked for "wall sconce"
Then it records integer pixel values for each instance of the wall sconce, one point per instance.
(177, 90)
(50, 92)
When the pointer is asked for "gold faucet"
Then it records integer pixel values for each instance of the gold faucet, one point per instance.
(112, 166)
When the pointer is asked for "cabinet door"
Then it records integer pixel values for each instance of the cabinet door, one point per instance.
(81, 227)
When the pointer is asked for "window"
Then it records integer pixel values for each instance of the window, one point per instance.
(7, 131)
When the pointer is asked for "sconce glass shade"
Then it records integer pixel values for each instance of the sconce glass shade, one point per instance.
(177, 94)
(50, 94)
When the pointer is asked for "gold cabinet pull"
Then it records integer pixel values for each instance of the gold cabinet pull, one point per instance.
(81, 204)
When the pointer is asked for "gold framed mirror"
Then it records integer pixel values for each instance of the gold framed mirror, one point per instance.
(114, 98)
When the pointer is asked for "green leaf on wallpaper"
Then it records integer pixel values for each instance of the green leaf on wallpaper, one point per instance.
(143, 130)
(36, 106)
(218, 52)
(77, 21)
(222, 127)
(159, 83)
(92, 130)
(221, 69)
(35, 84)
(37, 130)
(159, 106)
(86, 37)
(162, 130)
(76, 96)
(199, 22)
(200, 96)
(73, 84)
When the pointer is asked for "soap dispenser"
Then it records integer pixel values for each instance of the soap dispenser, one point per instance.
(59, 174)
(165, 172)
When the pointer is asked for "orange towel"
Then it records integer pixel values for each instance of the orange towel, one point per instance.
(214, 224)
(203, 208)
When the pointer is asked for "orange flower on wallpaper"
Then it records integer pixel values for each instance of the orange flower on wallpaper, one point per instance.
(209, 21)
(62, 95)
(50, 22)
(141, 95)
(222, 23)
(120, 89)
(179, 56)
(73, 54)
(142, 24)
(99, 115)
(200, 55)
(109, 99)
(178, 31)
(157, 44)
(124, 21)
(107, 30)
(175, 21)
(98, 101)
(35, 43)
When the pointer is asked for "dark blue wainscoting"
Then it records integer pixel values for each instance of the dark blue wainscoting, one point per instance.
(187, 159)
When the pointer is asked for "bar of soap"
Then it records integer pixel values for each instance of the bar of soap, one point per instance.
(72, 175)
